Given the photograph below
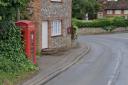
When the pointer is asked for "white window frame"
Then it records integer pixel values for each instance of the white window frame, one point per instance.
(109, 11)
(56, 27)
(100, 14)
(118, 11)
(112, 0)
(125, 11)
(56, 0)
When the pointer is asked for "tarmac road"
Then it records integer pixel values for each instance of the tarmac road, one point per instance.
(105, 64)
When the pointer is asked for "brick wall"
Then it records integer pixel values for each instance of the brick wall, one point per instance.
(35, 7)
(47, 10)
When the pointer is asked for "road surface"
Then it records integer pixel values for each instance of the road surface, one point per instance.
(105, 64)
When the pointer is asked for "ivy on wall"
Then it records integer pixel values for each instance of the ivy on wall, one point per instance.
(12, 57)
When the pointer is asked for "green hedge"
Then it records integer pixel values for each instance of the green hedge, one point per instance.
(116, 21)
(107, 24)
(12, 56)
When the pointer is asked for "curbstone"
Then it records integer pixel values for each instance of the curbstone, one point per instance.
(59, 70)
(62, 69)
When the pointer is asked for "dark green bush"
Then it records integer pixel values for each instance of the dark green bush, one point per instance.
(116, 21)
(104, 22)
(108, 24)
(83, 23)
(119, 22)
(109, 28)
(12, 56)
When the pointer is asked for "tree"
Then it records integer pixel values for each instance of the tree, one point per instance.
(12, 56)
(10, 9)
(82, 7)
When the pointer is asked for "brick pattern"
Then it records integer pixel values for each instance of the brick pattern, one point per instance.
(35, 6)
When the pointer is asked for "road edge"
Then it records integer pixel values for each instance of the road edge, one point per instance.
(62, 69)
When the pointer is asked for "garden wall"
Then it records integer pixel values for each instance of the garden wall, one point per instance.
(99, 30)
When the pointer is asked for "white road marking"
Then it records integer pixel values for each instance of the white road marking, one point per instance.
(116, 70)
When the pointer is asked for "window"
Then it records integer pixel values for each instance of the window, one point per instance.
(56, 0)
(100, 15)
(117, 11)
(112, 0)
(125, 11)
(56, 26)
(109, 11)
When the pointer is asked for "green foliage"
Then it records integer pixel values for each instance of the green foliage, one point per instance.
(0, 82)
(90, 23)
(109, 28)
(108, 24)
(13, 61)
(120, 22)
(12, 57)
(81, 7)
(9, 8)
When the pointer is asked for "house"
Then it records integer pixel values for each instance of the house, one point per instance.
(52, 19)
(113, 8)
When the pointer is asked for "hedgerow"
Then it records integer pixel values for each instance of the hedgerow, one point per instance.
(108, 24)
(12, 56)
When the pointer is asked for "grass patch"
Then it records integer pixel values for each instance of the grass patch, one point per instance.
(15, 78)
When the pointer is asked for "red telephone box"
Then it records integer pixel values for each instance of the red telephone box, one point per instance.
(29, 38)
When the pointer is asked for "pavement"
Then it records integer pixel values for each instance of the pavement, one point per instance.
(105, 64)
(52, 65)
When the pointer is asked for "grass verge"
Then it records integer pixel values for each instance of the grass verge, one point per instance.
(15, 78)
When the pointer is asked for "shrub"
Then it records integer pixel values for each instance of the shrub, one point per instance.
(92, 23)
(109, 28)
(119, 22)
(108, 24)
(12, 56)
(83, 23)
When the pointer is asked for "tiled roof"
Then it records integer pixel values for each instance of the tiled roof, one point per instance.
(120, 4)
